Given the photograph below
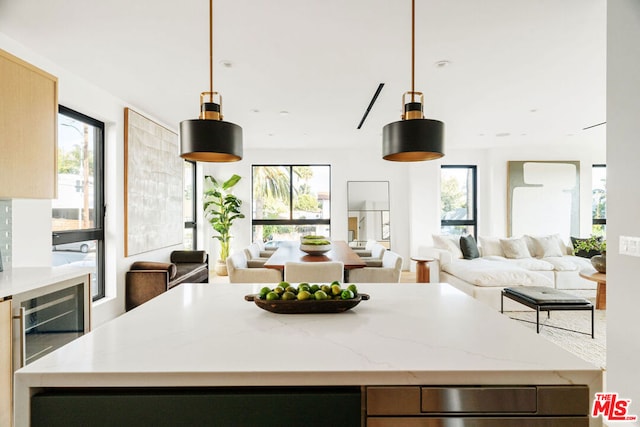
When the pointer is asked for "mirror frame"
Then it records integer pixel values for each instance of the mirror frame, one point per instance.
(378, 208)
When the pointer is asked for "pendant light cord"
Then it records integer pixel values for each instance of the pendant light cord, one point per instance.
(413, 48)
(210, 50)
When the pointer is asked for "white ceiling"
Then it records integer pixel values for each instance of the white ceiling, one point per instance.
(521, 71)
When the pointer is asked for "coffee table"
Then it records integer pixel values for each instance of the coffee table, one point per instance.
(541, 298)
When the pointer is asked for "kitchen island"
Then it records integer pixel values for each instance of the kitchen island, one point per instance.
(405, 342)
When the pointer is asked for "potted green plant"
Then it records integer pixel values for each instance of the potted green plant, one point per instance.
(594, 244)
(221, 209)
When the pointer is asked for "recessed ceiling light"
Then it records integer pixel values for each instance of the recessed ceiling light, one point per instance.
(442, 64)
(254, 110)
(226, 63)
(270, 134)
(284, 113)
(502, 134)
(533, 110)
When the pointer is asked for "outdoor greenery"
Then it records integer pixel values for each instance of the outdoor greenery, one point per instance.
(283, 193)
(222, 208)
(452, 196)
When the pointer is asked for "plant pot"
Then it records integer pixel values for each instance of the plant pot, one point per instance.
(221, 268)
(599, 262)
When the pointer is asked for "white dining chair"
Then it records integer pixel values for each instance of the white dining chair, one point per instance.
(319, 272)
(389, 272)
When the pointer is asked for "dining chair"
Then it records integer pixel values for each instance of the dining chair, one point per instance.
(388, 273)
(321, 272)
(240, 272)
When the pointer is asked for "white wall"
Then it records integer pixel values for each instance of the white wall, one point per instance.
(623, 202)
(32, 219)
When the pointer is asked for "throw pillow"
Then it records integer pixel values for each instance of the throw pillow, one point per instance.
(449, 243)
(583, 253)
(515, 248)
(548, 246)
(469, 247)
(491, 246)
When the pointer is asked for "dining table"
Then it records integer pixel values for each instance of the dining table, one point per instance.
(290, 252)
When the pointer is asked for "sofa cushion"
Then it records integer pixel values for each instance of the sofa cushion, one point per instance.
(491, 246)
(515, 248)
(548, 246)
(151, 265)
(196, 257)
(469, 247)
(190, 273)
(533, 264)
(485, 272)
(448, 242)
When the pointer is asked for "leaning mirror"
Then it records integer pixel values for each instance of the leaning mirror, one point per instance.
(368, 206)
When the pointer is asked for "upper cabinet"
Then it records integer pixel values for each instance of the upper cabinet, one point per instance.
(28, 126)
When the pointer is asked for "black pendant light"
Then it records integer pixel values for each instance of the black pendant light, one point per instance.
(209, 138)
(413, 138)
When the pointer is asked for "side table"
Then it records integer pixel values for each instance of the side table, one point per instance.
(422, 269)
(601, 279)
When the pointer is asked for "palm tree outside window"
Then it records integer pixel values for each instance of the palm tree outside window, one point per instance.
(289, 201)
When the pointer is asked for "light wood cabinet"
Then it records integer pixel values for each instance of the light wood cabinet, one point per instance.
(6, 368)
(28, 130)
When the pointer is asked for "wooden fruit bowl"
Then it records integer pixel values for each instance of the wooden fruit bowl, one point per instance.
(308, 306)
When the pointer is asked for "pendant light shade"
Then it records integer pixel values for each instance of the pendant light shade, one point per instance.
(209, 138)
(210, 141)
(413, 138)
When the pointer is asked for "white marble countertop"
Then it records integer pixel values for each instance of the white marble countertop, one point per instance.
(207, 335)
(14, 281)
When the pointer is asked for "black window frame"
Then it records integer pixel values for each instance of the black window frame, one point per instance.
(194, 223)
(465, 222)
(598, 221)
(96, 233)
(289, 221)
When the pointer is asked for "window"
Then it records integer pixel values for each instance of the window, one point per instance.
(599, 199)
(78, 212)
(189, 208)
(458, 200)
(290, 201)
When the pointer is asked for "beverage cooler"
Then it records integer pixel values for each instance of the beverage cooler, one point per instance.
(45, 321)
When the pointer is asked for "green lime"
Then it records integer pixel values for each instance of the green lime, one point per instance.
(315, 288)
(272, 296)
(304, 287)
(304, 295)
(278, 290)
(346, 294)
(291, 289)
(336, 289)
(283, 285)
(321, 295)
(352, 287)
(288, 296)
(326, 289)
(335, 282)
(264, 291)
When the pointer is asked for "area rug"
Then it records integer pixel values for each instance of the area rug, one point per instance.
(582, 345)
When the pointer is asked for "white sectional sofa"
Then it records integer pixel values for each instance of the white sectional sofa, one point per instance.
(524, 261)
